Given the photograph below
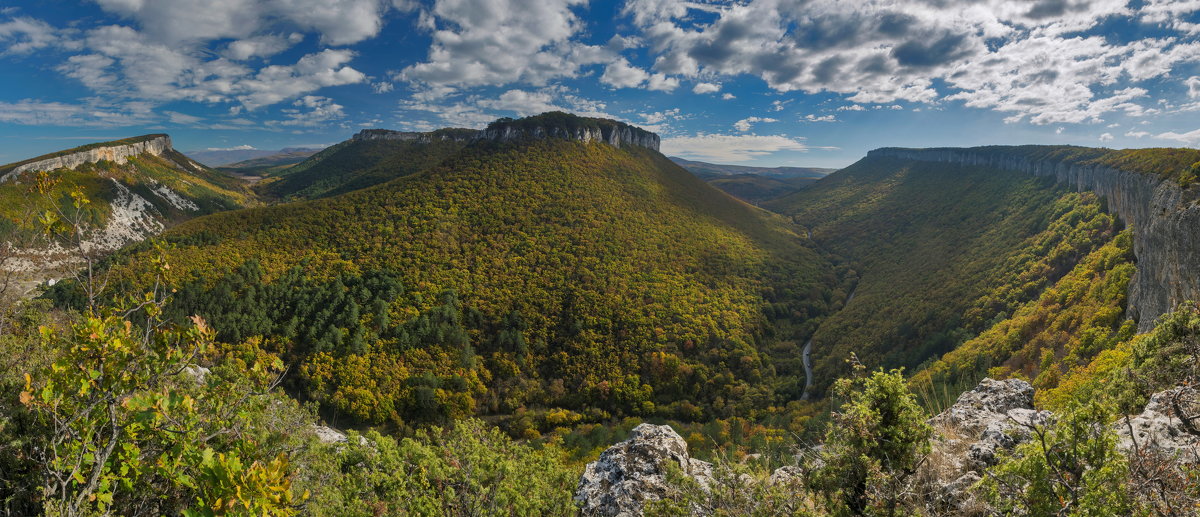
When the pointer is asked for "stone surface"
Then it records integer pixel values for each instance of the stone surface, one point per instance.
(116, 153)
(957, 498)
(632, 473)
(329, 435)
(614, 133)
(197, 373)
(617, 135)
(787, 475)
(1164, 217)
(1160, 427)
(985, 405)
(1004, 434)
(992, 417)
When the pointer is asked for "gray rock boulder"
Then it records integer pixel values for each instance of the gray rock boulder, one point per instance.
(328, 434)
(632, 473)
(1167, 426)
(969, 435)
(197, 373)
(988, 403)
(787, 475)
(1003, 435)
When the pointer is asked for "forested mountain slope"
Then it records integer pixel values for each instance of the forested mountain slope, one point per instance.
(560, 278)
(1152, 190)
(134, 188)
(756, 189)
(940, 252)
(582, 271)
(371, 157)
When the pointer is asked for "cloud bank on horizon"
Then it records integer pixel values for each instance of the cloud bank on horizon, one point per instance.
(815, 81)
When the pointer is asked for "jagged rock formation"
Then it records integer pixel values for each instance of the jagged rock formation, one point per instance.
(1167, 426)
(1165, 218)
(156, 145)
(552, 125)
(611, 132)
(632, 473)
(993, 417)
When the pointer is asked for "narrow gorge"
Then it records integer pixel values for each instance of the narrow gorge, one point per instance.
(1164, 216)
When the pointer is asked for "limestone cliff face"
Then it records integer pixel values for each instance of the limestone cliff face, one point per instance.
(140, 201)
(615, 134)
(156, 145)
(610, 132)
(1165, 219)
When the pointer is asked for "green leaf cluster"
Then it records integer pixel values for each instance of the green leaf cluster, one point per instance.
(873, 446)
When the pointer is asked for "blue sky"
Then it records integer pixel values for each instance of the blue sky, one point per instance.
(770, 82)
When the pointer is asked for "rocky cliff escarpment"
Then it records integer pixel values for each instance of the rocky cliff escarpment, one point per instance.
(549, 125)
(1164, 216)
(156, 145)
(136, 187)
(613, 133)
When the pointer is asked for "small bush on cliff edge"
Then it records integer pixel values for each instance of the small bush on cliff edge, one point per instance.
(873, 446)
(1071, 468)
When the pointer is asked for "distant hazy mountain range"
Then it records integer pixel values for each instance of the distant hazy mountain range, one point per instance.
(703, 168)
(753, 184)
(252, 157)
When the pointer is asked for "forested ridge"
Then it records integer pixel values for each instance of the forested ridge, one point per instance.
(1176, 164)
(484, 317)
(209, 190)
(360, 163)
(546, 276)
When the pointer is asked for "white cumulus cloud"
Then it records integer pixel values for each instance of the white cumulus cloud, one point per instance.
(1191, 138)
(747, 123)
(732, 148)
(498, 42)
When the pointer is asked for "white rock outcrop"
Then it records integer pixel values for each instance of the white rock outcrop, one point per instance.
(326, 434)
(994, 416)
(156, 146)
(1167, 426)
(632, 473)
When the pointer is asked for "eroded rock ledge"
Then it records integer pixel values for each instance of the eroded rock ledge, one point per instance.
(616, 134)
(633, 473)
(1164, 216)
(548, 125)
(155, 145)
